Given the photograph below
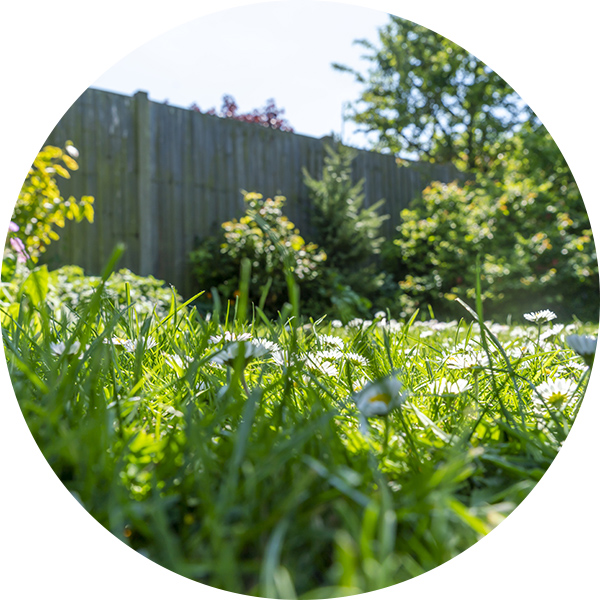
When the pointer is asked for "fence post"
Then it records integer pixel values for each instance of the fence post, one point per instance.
(148, 242)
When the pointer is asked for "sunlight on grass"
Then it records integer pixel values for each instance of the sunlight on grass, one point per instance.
(288, 457)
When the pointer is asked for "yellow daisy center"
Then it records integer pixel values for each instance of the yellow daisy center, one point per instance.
(557, 398)
(385, 398)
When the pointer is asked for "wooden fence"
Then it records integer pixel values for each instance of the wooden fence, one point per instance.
(164, 177)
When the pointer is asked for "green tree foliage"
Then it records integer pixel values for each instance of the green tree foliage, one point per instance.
(427, 96)
(525, 219)
(270, 241)
(349, 232)
(40, 207)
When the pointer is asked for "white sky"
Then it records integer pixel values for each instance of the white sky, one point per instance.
(280, 50)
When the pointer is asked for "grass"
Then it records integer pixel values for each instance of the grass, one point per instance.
(231, 450)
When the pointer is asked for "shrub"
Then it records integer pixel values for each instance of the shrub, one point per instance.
(525, 220)
(270, 241)
(69, 287)
(349, 232)
(40, 208)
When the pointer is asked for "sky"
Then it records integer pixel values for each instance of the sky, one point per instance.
(278, 50)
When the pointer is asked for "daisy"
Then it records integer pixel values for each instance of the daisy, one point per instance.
(230, 353)
(131, 345)
(178, 363)
(555, 392)
(59, 348)
(357, 322)
(380, 397)
(336, 324)
(330, 340)
(468, 360)
(229, 337)
(552, 332)
(541, 316)
(394, 326)
(584, 345)
(333, 354)
(270, 346)
(283, 357)
(359, 384)
(358, 359)
(443, 386)
(318, 362)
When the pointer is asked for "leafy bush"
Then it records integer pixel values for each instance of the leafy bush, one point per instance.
(349, 232)
(69, 287)
(525, 219)
(271, 242)
(40, 208)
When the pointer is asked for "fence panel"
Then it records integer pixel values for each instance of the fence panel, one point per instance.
(165, 177)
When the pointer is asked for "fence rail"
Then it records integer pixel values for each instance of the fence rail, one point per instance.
(165, 177)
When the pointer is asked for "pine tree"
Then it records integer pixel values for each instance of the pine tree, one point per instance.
(343, 227)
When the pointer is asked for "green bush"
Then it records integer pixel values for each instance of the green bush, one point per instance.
(69, 287)
(271, 242)
(349, 232)
(527, 222)
(40, 208)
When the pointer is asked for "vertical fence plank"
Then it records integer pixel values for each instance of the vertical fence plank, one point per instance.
(147, 212)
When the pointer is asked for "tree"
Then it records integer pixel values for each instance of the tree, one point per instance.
(269, 116)
(348, 231)
(427, 96)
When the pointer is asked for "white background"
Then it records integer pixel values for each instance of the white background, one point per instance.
(51, 52)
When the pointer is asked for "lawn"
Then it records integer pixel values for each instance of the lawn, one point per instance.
(290, 457)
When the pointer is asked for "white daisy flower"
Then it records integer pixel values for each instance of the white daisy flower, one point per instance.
(131, 345)
(555, 392)
(380, 397)
(282, 357)
(552, 332)
(567, 368)
(360, 383)
(584, 345)
(336, 324)
(356, 358)
(229, 354)
(270, 346)
(444, 386)
(330, 340)
(333, 354)
(467, 360)
(317, 362)
(518, 332)
(178, 363)
(228, 336)
(394, 326)
(497, 328)
(541, 316)
(60, 348)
